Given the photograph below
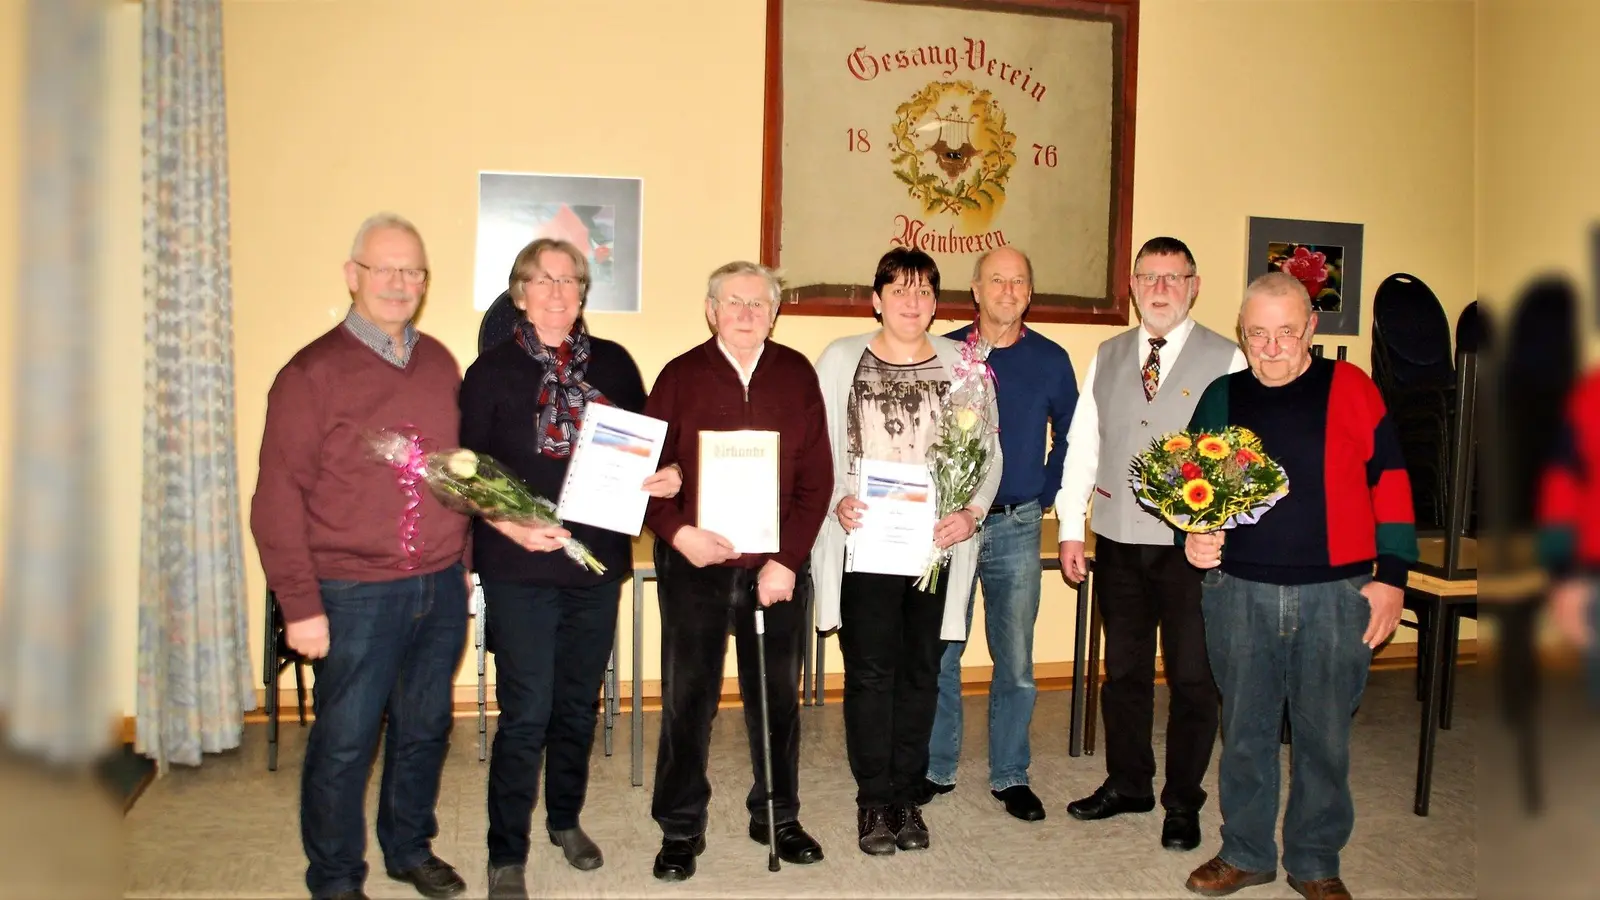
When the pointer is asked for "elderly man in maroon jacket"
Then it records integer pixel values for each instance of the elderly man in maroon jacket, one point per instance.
(737, 380)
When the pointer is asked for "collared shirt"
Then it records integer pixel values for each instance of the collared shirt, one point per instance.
(744, 376)
(379, 340)
(1083, 439)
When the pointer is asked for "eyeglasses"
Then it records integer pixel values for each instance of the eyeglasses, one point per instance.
(1170, 279)
(1285, 337)
(384, 273)
(755, 305)
(546, 283)
(1016, 284)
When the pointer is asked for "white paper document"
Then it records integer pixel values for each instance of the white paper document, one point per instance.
(896, 533)
(615, 452)
(738, 496)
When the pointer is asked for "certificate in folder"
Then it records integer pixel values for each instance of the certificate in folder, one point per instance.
(896, 533)
(738, 495)
(615, 452)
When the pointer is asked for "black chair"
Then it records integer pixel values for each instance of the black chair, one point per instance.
(1413, 365)
(499, 322)
(277, 657)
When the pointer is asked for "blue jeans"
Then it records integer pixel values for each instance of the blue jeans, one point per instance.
(1008, 567)
(1301, 645)
(393, 648)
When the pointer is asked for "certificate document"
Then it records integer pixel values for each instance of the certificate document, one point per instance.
(615, 452)
(896, 533)
(738, 495)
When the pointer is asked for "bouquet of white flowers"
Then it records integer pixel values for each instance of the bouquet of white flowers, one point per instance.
(473, 484)
(959, 459)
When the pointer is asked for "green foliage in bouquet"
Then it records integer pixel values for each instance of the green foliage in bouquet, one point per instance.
(959, 458)
(475, 485)
(1208, 481)
(479, 485)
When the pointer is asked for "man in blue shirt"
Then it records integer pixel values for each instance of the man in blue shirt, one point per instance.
(1037, 392)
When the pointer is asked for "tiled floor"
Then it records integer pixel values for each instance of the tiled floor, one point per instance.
(230, 828)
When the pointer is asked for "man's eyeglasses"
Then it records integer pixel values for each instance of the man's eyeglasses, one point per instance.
(756, 305)
(1170, 279)
(384, 273)
(546, 283)
(1286, 338)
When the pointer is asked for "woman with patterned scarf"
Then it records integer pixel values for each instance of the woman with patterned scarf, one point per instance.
(550, 622)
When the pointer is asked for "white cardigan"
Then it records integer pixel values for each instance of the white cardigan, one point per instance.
(836, 370)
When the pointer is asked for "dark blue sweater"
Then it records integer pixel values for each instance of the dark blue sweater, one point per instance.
(1037, 388)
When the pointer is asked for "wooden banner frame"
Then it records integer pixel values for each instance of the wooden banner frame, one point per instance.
(955, 299)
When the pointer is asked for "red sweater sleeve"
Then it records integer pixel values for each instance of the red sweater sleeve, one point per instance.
(290, 459)
(665, 515)
(813, 483)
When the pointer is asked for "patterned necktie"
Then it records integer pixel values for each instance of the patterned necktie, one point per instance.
(1152, 368)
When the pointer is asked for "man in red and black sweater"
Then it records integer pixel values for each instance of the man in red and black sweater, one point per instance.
(1296, 606)
(737, 380)
(1569, 528)
(372, 591)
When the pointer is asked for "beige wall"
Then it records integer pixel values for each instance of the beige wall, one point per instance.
(1538, 186)
(339, 109)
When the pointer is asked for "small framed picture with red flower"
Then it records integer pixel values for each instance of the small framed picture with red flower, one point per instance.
(1323, 256)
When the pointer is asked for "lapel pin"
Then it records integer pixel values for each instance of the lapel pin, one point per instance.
(1186, 392)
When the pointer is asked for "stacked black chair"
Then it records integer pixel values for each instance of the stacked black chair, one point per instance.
(499, 322)
(1414, 367)
(277, 656)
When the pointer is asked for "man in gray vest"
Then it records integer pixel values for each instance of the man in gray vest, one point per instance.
(1141, 384)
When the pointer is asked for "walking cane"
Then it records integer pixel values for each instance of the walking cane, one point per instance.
(766, 737)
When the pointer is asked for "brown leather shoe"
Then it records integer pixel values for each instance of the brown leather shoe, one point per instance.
(1219, 879)
(1321, 889)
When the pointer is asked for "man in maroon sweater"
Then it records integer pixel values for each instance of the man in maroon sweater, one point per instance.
(738, 380)
(372, 591)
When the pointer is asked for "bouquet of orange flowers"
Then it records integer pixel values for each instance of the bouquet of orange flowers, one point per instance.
(1208, 481)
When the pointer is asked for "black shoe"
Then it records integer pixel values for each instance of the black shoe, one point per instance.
(910, 832)
(931, 789)
(675, 861)
(580, 851)
(433, 878)
(1021, 802)
(1181, 830)
(876, 838)
(794, 845)
(1106, 802)
(353, 894)
(508, 882)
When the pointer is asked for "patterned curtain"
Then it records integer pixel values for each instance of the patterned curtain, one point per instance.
(54, 686)
(194, 661)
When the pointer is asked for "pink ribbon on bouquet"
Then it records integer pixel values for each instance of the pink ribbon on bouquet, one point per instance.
(409, 471)
(969, 357)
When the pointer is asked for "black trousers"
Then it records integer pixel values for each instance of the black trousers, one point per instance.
(889, 636)
(1140, 587)
(550, 648)
(699, 607)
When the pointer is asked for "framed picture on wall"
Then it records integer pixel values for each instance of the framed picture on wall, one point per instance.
(1323, 256)
(602, 216)
(953, 127)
